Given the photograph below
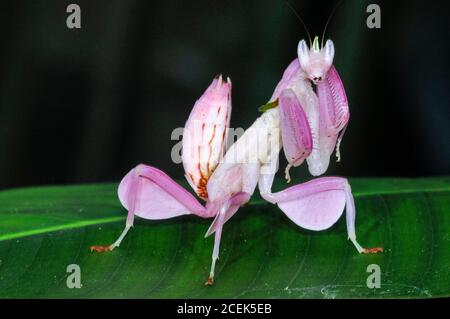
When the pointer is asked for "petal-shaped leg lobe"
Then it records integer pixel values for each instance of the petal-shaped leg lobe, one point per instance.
(314, 205)
(154, 195)
(317, 211)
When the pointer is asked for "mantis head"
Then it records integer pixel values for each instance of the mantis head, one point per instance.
(315, 61)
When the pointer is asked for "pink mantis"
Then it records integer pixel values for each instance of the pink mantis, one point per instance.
(305, 124)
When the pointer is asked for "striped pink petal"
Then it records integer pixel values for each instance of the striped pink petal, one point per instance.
(205, 134)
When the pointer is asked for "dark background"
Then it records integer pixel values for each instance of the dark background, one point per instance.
(86, 105)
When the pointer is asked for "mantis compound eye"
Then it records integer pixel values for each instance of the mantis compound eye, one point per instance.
(316, 79)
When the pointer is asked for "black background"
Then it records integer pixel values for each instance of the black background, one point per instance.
(86, 105)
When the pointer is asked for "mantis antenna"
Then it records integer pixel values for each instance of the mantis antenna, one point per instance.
(328, 21)
(301, 20)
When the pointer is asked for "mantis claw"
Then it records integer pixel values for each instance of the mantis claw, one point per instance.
(209, 281)
(374, 250)
(101, 249)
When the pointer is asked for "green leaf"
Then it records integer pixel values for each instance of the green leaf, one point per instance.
(263, 254)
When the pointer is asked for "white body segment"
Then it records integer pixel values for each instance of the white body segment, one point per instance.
(241, 166)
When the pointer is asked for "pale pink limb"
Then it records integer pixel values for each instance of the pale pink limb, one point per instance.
(234, 203)
(295, 131)
(215, 255)
(151, 194)
(317, 204)
(230, 187)
(226, 209)
(334, 112)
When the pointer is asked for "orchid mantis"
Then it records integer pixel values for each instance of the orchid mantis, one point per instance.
(308, 126)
